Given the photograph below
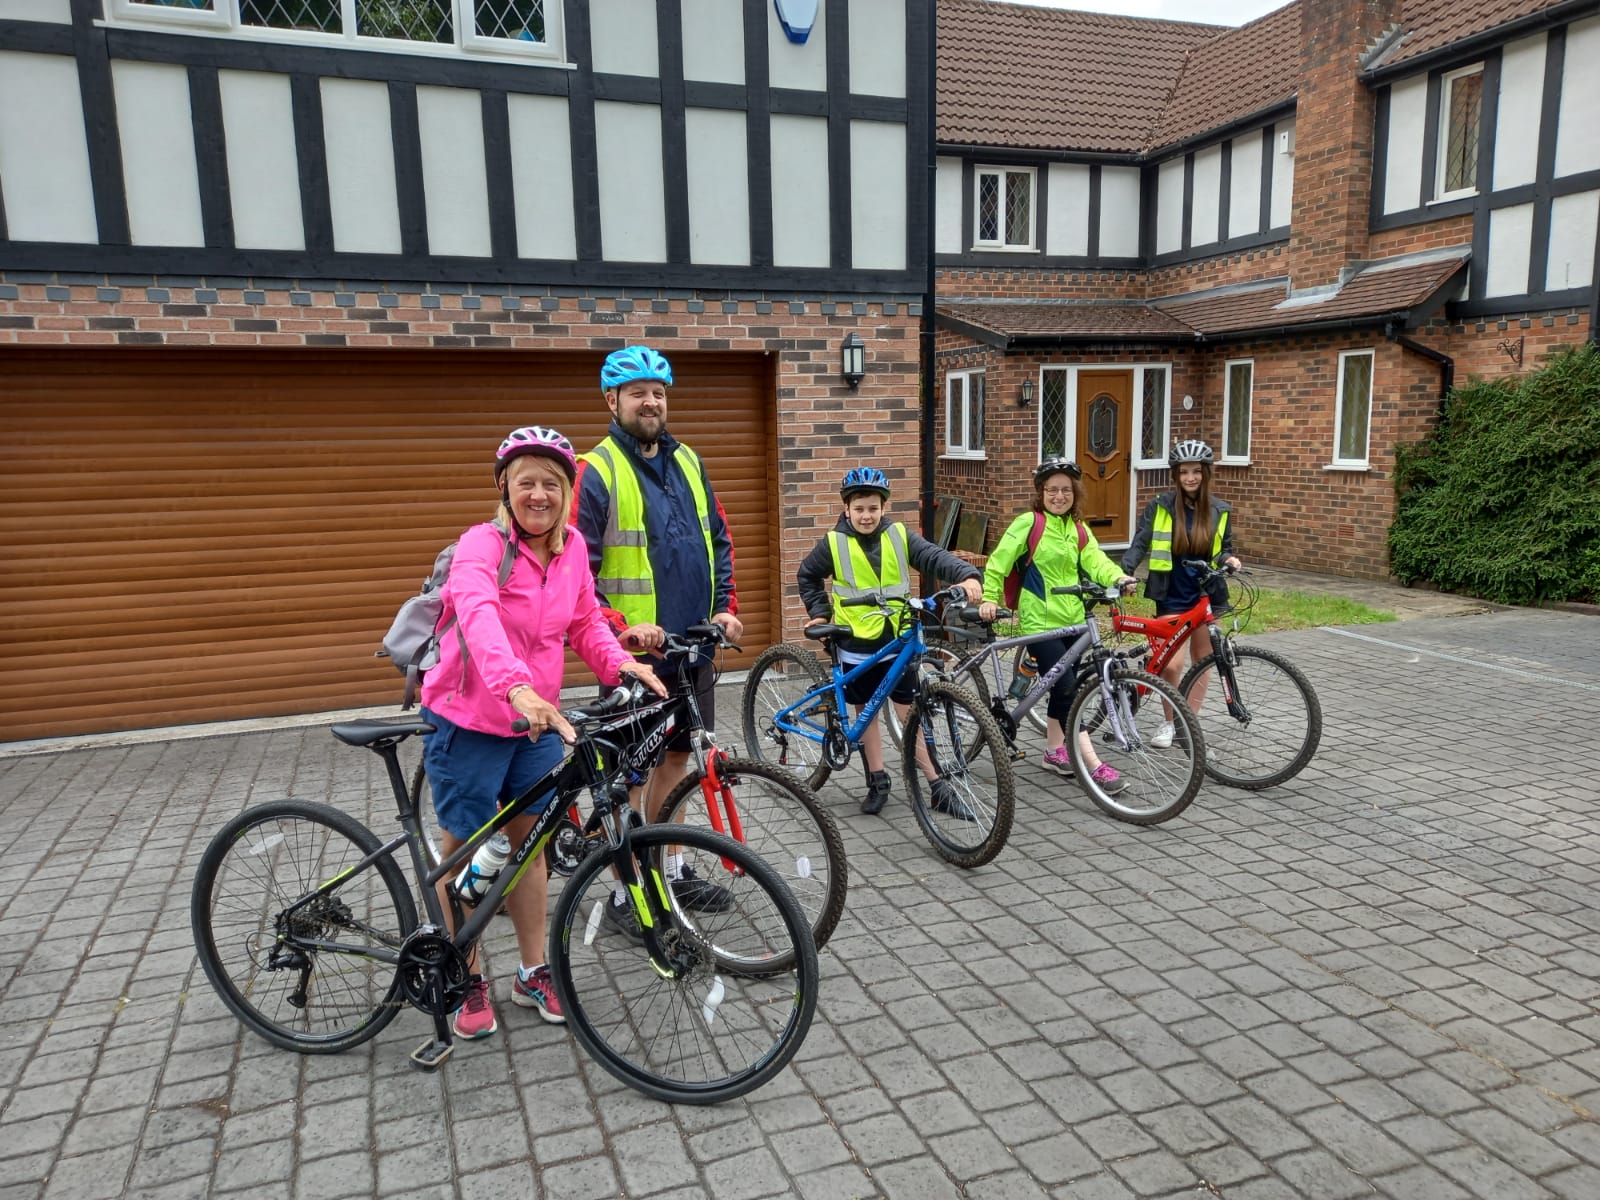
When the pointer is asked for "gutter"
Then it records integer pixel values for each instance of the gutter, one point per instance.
(1447, 365)
(1470, 47)
(928, 333)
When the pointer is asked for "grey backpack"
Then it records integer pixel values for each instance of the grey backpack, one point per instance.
(412, 642)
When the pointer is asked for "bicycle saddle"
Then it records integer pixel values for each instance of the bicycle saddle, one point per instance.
(375, 729)
(822, 633)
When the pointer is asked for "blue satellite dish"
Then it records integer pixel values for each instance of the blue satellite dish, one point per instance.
(797, 17)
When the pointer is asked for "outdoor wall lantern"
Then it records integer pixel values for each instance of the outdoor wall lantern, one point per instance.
(853, 359)
(1027, 394)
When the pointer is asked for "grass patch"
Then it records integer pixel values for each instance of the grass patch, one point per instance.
(1276, 611)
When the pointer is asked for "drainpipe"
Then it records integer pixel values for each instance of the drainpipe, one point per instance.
(927, 335)
(1447, 365)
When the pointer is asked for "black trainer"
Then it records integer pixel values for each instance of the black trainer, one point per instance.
(877, 793)
(619, 915)
(700, 895)
(947, 802)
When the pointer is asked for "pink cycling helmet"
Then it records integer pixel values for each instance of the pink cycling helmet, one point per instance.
(540, 440)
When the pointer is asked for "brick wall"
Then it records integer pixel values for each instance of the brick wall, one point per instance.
(1020, 283)
(820, 426)
(1412, 239)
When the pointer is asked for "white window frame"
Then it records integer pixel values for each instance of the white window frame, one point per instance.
(1240, 460)
(1441, 154)
(1033, 208)
(961, 447)
(224, 15)
(1364, 462)
(1152, 458)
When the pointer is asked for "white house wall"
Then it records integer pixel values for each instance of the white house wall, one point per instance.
(713, 40)
(1510, 244)
(1119, 212)
(1282, 176)
(1578, 134)
(1169, 206)
(450, 122)
(541, 176)
(1516, 144)
(361, 185)
(803, 67)
(1244, 186)
(263, 170)
(877, 195)
(56, 11)
(948, 191)
(1573, 221)
(158, 163)
(48, 197)
(623, 33)
(799, 191)
(1205, 212)
(1067, 220)
(719, 192)
(1402, 168)
(632, 192)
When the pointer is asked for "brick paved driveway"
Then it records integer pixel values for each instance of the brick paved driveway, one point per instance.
(1380, 979)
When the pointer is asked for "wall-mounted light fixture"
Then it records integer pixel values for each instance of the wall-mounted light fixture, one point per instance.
(853, 359)
(1026, 398)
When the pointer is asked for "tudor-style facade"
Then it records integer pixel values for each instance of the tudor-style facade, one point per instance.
(1283, 238)
(269, 296)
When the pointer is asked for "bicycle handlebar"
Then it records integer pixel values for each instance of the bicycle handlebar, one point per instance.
(695, 638)
(1091, 591)
(627, 694)
(879, 600)
(1206, 570)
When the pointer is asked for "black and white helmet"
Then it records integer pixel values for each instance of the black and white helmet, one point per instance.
(1189, 450)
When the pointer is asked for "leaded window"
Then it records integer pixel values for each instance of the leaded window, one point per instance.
(1353, 412)
(1237, 400)
(1460, 117)
(1004, 208)
(1053, 416)
(1153, 417)
(963, 412)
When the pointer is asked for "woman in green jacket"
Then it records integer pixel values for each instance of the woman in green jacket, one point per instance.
(1066, 552)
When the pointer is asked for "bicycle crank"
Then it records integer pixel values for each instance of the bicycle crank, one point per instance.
(836, 749)
(433, 972)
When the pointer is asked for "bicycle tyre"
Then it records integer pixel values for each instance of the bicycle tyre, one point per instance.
(306, 844)
(1284, 727)
(729, 1024)
(1167, 779)
(974, 758)
(779, 678)
(782, 821)
(940, 662)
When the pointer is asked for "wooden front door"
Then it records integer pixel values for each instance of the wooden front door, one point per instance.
(1103, 445)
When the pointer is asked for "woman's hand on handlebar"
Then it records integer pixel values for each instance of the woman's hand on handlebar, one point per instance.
(643, 636)
(1128, 584)
(541, 715)
(644, 675)
(988, 611)
(1232, 562)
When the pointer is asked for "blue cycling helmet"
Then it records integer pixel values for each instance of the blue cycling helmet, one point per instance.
(864, 479)
(631, 363)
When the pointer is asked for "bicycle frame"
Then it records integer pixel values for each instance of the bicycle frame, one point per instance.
(1083, 641)
(1168, 635)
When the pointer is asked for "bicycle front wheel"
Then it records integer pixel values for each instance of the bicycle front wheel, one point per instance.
(1138, 783)
(1268, 730)
(781, 820)
(966, 810)
(780, 679)
(724, 1020)
(316, 1001)
(940, 661)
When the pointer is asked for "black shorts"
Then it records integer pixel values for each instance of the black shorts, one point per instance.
(859, 690)
(705, 690)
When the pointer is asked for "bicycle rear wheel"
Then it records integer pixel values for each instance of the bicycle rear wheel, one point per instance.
(966, 811)
(940, 662)
(725, 1021)
(1151, 785)
(256, 867)
(780, 678)
(1270, 730)
(783, 821)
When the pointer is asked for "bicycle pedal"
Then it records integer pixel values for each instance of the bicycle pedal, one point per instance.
(1018, 755)
(431, 1055)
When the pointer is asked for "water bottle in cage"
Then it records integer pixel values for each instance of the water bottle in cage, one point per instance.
(1023, 675)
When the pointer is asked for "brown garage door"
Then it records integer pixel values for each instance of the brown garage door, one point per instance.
(203, 535)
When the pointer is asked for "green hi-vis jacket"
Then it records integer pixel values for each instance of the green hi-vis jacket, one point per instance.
(1058, 563)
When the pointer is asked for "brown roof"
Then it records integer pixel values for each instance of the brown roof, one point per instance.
(1402, 285)
(1434, 24)
(1013, 75)
(1233, 75)
(1413, 285)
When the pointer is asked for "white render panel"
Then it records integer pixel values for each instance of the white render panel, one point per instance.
(1516, 141)
(360, 148)
(1205, 216)
(1169, 206)
(878, 195)
(58, 12)
(1402, 165)
(713, 40)
(49, 197)
(1510, 237)
(877, 47)
(263, 167)
(541, 176)
(796, 66)
(1578, 131)
(719, 187)
(1119, 212)
(800, 189)
(633, 214)
(158, 166)
(1573, 221)
(947, 237)
(454, 181)
(1282, 177)
(1067, 226)
(623, 35)
(1244, 186)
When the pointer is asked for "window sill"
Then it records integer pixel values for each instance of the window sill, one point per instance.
(963, 456)
(1447, 197)
(997, 248)
(1233, 462)
(1352, 467)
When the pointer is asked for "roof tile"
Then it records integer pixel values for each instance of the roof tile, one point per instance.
(1433, 24)
(1233, 75)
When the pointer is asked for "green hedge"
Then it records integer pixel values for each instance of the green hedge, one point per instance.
(1503, 502)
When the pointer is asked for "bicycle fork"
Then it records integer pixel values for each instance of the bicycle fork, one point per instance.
(1222, 654)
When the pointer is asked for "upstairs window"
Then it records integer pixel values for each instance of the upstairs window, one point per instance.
(963, 414)
(1460, 116)
(1004, 208)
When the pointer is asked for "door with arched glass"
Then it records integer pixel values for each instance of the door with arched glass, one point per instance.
(1103, 447)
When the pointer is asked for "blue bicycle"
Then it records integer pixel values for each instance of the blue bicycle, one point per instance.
(957, 772)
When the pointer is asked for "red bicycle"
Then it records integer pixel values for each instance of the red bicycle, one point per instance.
(1266, 722)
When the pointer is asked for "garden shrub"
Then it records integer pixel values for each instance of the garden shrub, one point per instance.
(1503, 500)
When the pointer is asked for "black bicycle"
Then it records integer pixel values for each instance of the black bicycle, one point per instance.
(307, 926)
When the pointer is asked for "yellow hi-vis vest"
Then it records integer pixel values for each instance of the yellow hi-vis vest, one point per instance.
(626, 582)
(1161, 538)
(853, 578)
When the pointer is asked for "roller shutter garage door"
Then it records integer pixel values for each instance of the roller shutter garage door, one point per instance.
(204, 535)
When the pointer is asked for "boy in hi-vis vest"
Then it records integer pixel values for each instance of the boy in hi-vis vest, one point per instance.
(865, 553)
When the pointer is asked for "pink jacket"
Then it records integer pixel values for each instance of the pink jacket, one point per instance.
(514, 634)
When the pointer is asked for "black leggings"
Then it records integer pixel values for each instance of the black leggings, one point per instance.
(1048, 653)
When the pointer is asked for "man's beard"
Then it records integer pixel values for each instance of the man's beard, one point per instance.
(635, 429)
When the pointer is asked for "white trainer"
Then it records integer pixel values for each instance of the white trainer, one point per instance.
(1162, 738)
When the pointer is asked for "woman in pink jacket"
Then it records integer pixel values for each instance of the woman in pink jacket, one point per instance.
(507, 662)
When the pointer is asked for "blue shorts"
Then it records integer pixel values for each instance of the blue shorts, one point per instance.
(473, 774)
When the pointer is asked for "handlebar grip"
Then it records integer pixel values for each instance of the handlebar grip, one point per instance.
(871, 600)
(520, 725)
